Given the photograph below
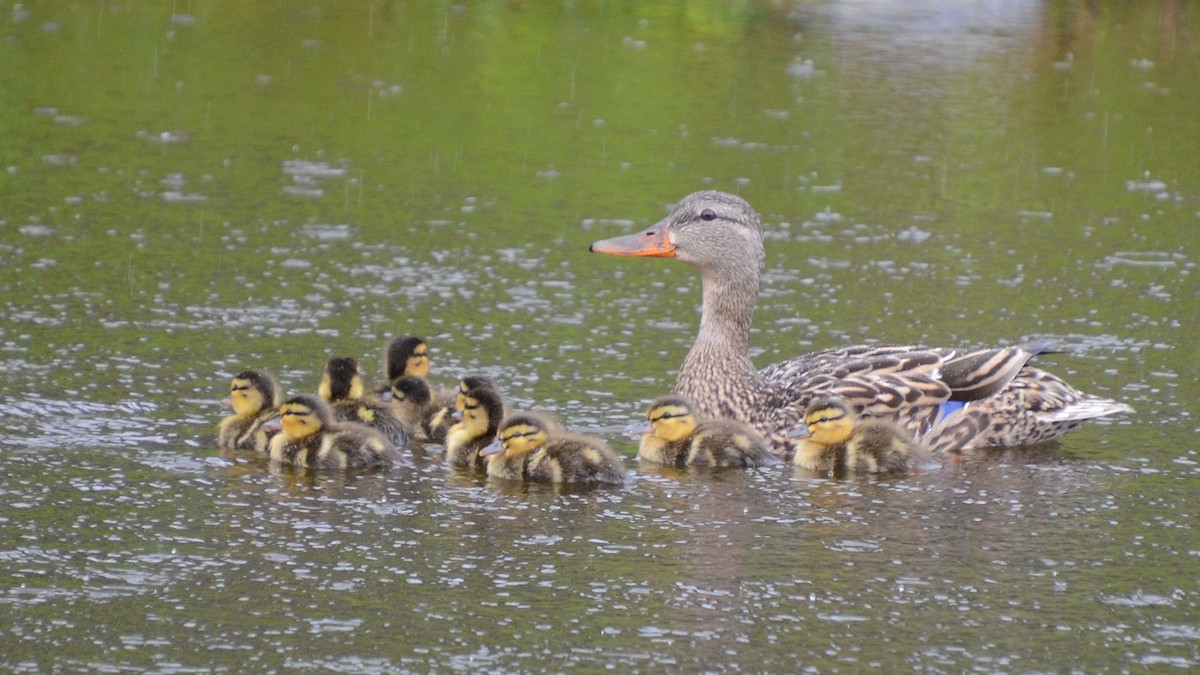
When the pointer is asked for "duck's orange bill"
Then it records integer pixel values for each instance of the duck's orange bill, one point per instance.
(652, 242)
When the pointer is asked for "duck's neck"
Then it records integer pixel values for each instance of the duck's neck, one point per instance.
(717, 372)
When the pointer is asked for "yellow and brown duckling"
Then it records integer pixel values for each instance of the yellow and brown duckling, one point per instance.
(483, 409)
(530, 448)
(309, 435)
(673, 434)
(450, 405)
(342, 386)
(836, 439)
(405, 355)
(413, 403)
(253, 395)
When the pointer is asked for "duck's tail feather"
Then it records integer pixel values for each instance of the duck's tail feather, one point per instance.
(1089, 407)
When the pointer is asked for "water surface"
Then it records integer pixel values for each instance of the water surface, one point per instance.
(193, 189)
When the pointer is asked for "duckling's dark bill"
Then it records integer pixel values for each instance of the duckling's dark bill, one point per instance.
(654, 242)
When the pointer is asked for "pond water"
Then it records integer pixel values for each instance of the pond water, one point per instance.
(194, 188)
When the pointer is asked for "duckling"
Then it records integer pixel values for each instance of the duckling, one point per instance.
(413, 403)
(481, 414)
(342, 386)
(529, 448)
(834, 438)
(440, 421)
(671, 434)
(404, 355)
(253, 395)
(310, 436)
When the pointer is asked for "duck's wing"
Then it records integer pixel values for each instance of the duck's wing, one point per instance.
(1036, 406)
(906, 383)
(986, 372)
(892, 375)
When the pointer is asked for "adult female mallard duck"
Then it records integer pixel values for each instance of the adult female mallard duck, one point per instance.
(1007, 402)
(482, 412)
(310, 436)
(672, 434)
(530, 448)
(253, 395)
(342, 386)
(835, 439)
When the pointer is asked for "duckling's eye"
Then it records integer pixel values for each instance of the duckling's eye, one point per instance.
(708, 214)
(239, 387)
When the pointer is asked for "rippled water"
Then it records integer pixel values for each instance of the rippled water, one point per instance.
(177, 206)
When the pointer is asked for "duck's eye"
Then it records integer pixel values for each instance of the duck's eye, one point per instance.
(240, 387)
(708, 214)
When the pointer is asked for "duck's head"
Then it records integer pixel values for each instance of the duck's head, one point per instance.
(469, 384)
(481, 411)
(827, 420)
(406, 355)
(303, 416)
(670, 418)
(519, 435)
(250, 392)
(341, 379)
(709, 229)
(411, 390)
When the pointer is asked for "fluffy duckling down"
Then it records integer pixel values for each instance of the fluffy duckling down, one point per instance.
(450, 407)
(424, 416)
(342, 386)
(253, 395)
(835, 439)
(530, 448)
(673, 434)
(404, 356)
(309, 435)
(482, 411)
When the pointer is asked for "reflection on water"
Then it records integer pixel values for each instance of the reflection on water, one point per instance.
(177, 207)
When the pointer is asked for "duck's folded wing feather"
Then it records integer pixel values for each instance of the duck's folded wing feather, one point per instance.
(985, 372)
